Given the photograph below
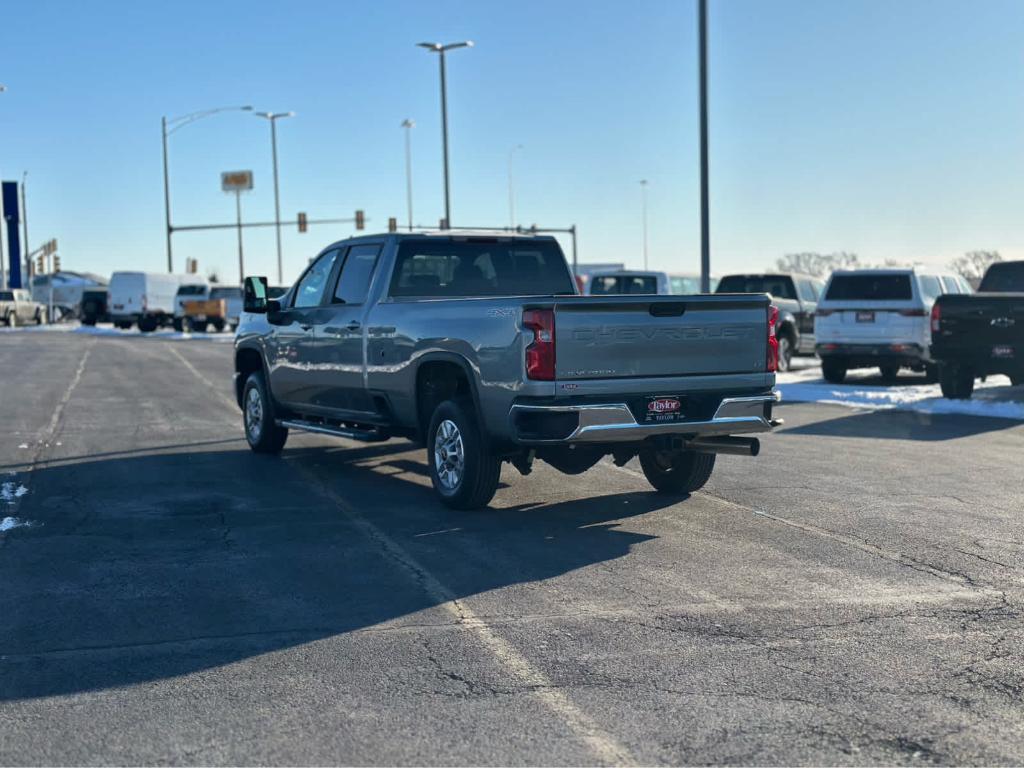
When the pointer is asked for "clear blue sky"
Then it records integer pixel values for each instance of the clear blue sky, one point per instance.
(893, 129)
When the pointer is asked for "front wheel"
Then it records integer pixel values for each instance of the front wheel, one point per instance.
(263, 435)
(12, 319)
(39, 317)
(463, 470)
(834, 371)
(889, 372)
(676, 471)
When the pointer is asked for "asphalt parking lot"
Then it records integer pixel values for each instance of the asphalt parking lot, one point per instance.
(851, 596)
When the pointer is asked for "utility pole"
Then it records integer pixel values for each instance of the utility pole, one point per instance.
(408, 125)
(705, 234)
(511, 189)
(241, 258)
(643, 215)
(24, 229)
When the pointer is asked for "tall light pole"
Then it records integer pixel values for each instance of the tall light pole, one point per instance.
(408, 125)
(441, 49)
(511, 189)
(24, 229)
(643, 214)
(705, 234)
(273, 117)
(167, 127)
(3, 265)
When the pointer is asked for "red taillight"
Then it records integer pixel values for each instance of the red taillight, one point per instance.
(773, 341)
(912, 312)
(936, 317)
(540, 354)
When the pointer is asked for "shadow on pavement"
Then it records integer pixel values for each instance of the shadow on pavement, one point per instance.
(142, 568)
(894, 424)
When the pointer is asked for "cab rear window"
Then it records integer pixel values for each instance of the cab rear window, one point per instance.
(869, 287)
(1007, 277)
(604, 285)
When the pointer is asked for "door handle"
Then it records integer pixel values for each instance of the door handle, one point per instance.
(305, 327)
(354, 325)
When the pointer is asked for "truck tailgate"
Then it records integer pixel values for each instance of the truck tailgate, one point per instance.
(981, 318)
(650, 336)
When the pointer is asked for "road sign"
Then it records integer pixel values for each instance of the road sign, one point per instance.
(236, 181)
(303, 222)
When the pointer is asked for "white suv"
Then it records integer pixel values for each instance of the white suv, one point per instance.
(879, 317)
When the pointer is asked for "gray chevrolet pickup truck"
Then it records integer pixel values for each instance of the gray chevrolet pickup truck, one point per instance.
(479, 347)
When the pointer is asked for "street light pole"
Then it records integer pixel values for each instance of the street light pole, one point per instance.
(24, 229)
(705, 235)
(643, 210)
(408, 125)
(511, 189)
(241, 259)
(273, 117)
(441, 49)
(167, 127)
(3, 265)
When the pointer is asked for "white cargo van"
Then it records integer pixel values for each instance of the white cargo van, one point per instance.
(145, 298)
(879, 318)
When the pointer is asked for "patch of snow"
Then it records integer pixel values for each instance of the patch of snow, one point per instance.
(12, 522)
(23, 446)
(864, 390)
(10, 493)
(105, 329)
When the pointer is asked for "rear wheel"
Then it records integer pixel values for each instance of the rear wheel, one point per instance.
(263, 435)
(147, 324)
(889, 371)
(676, 471)
(218, 325)
(834, 371)
(39, 317)
(463, 469)
(1016, 379)
(177, 324)
(956, 381)
(88, 321)
(199, 326)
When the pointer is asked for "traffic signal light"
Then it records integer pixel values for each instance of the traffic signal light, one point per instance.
(303, 222)
(360, 220)
(392, 224)
(39, 264)
(56, 263)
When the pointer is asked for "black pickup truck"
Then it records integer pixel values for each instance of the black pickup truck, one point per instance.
(981, 334)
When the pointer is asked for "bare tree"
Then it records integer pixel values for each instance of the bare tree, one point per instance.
(817, 264)
(972, 265)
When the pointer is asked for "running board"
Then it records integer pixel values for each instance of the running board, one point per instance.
(363, 435)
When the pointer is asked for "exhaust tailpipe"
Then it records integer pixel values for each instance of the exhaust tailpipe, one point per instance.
(737, 446)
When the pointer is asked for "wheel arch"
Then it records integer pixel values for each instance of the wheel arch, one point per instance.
(440, 376)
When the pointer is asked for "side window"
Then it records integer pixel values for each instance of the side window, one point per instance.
(950, 285)
(356, 273)
(806, 289)
(930, 288)
(310, 289)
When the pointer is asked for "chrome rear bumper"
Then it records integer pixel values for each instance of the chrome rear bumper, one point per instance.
(614, 422)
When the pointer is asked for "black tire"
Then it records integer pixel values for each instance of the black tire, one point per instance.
(218, 325)
(786, 348)
(177, 324)
(1017, 379)
(889, 372)
(956, 381)
(198, 326)
(834, 371)
(39, 317)
(147, 324)
(89, 321)
(676, 471)
(262, 434)
(462, 481)
(931, 373)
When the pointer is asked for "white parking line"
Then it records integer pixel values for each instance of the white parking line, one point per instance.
(602, 745)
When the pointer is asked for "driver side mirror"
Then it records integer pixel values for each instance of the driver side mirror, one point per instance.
(255, 296)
